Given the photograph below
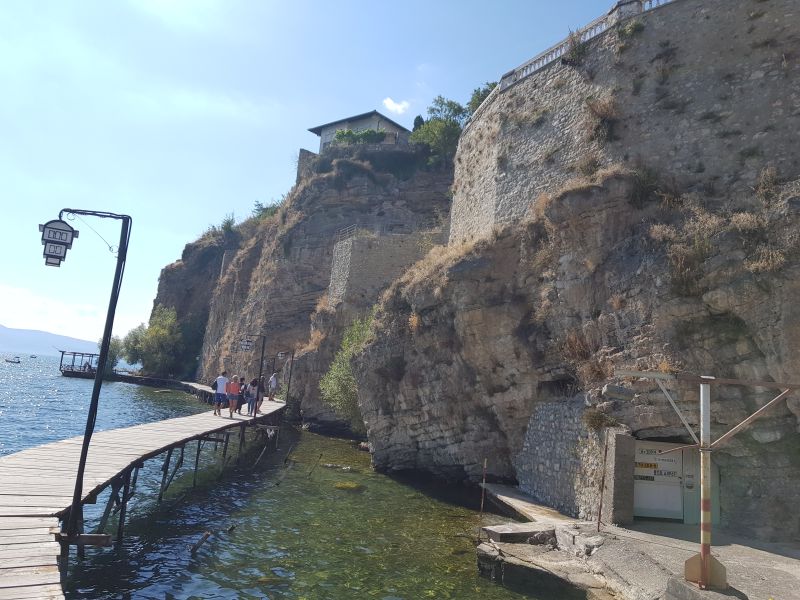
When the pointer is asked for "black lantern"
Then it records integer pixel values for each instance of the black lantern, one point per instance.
(57, 237)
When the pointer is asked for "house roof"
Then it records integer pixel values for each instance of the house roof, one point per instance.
(318, 129)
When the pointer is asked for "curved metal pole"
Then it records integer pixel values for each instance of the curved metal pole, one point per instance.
(72, 522)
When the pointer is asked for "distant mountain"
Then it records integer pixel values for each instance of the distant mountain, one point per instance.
(31, 341)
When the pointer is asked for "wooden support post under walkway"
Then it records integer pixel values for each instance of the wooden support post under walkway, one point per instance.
(36, 487)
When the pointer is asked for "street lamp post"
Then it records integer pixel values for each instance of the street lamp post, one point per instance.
(57, 238)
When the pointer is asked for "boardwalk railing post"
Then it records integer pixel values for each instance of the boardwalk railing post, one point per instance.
(124, 506)
(81, 551)
(197, 461)
(165, 470)
(113, 500)
(241, 444)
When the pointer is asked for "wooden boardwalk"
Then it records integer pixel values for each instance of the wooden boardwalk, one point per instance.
(36, 487)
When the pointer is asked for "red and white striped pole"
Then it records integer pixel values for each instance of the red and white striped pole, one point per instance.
(705, 485)
(703, 568)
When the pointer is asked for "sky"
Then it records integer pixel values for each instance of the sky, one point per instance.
(181, 112)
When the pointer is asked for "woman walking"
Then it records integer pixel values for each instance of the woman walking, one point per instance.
(233, 394)
(240, 396)
(252, 394)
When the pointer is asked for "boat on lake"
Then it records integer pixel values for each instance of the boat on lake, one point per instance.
(14, 360)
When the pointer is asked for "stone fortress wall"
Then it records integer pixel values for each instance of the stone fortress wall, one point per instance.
(704, 93)
(365, 263)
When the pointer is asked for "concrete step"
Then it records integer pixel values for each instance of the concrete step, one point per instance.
(520, 532)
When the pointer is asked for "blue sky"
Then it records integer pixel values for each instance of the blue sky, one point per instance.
(179, 112)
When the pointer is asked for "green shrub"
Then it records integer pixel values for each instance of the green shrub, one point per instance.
(367, 136)
(338, 386)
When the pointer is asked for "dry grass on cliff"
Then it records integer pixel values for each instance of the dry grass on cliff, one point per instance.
(433, 266)
(313, 343)
(698, 232)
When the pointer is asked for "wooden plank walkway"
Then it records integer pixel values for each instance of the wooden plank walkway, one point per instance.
(36, 487)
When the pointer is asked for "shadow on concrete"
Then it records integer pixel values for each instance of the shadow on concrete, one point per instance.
(690, 534)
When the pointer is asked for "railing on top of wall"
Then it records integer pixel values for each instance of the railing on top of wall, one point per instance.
(345, 233)
(622, 10)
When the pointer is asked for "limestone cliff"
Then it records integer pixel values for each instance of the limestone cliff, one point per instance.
(185, 285)
(276, 270)
(476, 342)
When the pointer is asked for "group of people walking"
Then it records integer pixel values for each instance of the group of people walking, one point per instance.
(234, 392)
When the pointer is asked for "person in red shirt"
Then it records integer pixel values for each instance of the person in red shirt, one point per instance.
(233, 390)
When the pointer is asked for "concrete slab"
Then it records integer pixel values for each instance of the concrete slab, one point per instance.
(518, 503)
(637, 562)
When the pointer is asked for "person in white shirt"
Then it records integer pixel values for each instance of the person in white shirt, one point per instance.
(273, 385)
(220, 384)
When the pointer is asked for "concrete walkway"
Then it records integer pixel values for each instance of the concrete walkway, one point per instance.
(636, 562)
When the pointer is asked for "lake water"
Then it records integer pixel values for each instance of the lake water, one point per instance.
(312, 521)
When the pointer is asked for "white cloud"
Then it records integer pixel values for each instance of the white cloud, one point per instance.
(397, 108)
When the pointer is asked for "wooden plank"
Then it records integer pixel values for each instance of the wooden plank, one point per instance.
(22, 577)
(11, 533)
(40, 592)
(27, 538)
(43, 560)
(35, 549)
(32, 511)
(27, 500)
(27, 522)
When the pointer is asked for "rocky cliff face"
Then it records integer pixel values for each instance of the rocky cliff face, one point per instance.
(187, 285)
(473, 342)
(276, 270)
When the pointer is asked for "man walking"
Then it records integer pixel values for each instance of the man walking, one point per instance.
(220, 384)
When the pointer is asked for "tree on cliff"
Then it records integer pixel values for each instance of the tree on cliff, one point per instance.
(338, 386)
(442, 129)
(156, 346)
(479, 95)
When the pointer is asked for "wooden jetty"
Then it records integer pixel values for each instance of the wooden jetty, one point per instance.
(36, 487)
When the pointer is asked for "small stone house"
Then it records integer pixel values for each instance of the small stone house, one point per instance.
(395, 133)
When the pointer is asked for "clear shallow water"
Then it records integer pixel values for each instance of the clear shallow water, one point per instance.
(291, 528)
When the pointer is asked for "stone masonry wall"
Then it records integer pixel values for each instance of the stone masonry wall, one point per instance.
(561, 460)
(705, 93)
(362, 266)
(340, 271)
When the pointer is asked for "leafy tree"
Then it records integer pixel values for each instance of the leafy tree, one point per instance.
(338, 386)
(115, 351)
(442, 129)
(158, 347)
(479, 95)
(132, 344)
(444, 109)
(418, 122)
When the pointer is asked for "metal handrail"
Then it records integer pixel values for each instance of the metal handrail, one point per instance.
(553, 53)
